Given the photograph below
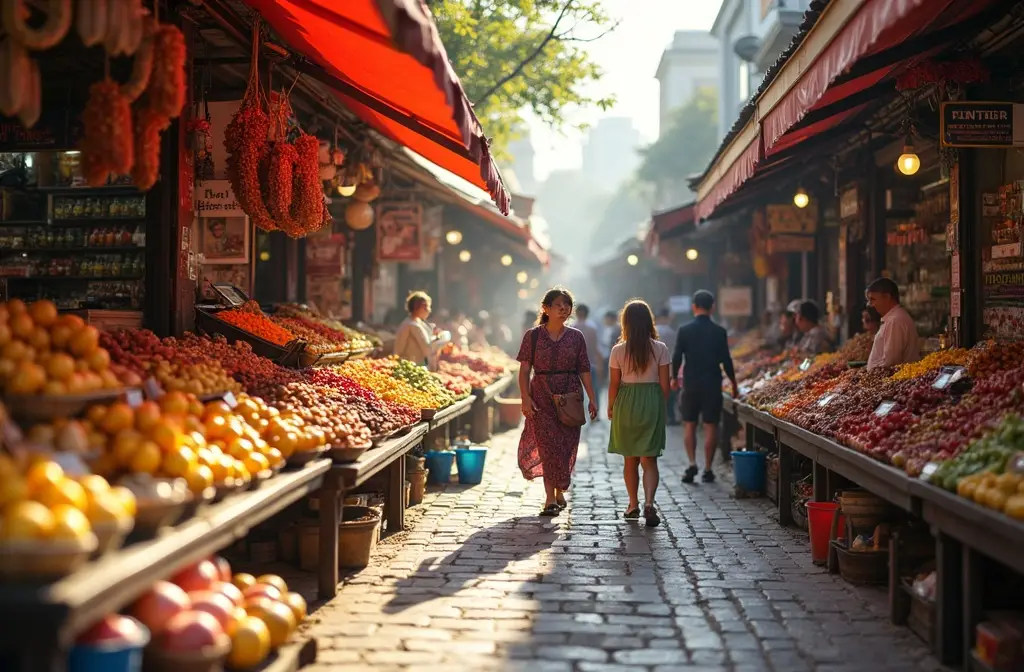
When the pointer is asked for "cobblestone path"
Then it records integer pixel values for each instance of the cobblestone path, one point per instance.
(481, 582)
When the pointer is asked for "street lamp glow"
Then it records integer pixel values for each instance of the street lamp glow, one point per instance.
(632, 260)
(535, 283)
(800, 198)
(453, 237)
(692, 254)
(523, 294)
(465, 255)
(506, 260)
(522, 277)
(909, 162)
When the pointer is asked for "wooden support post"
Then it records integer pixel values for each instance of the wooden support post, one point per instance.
(725, 434)
(330, 503)
(750, 436)
(394, 496)
(898, 600)
(821, 493)
(973, 607)
(480, 424)
(949, 600)
(785, 485)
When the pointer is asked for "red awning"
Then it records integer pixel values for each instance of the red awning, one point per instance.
(741, 170)
(392, 71)
(668, 222)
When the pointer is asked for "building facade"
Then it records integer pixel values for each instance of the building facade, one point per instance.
(610, 151)
(750, 35)
(689, 63)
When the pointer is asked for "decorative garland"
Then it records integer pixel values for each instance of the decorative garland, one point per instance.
(149, 124)
(944, 74)
(107, 144)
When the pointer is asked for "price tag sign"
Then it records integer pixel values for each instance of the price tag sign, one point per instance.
(826, 399)
(152, 388)
(947, 376)
(885, 408)
(134, 397)
(806, 364)
(929, 470)
(230, 400)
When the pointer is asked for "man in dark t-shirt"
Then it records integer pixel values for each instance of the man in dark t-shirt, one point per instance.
(705, 346)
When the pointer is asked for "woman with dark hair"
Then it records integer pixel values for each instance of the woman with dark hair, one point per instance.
(640, 384)
(557, 357)
(871, 320)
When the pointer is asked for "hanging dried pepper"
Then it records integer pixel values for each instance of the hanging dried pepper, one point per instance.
(279, 185)
(149, 124)
(307, 196)
(167, 80)
(107, 144)
(245, 142)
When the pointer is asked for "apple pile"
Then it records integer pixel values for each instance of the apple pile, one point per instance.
(462, 373)
(322, 414)
(489, 364)
(380, 416)
(182, 366)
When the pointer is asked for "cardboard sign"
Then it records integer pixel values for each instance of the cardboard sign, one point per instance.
(885, 408)
(230, 400)
(826, 399)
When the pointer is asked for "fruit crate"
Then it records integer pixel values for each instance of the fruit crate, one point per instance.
(862, 568)
(921, 619)
(208, 323)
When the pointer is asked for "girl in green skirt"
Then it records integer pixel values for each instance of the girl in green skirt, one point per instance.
(638, 389)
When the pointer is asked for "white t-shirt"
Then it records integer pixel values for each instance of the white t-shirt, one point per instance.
(412, 341)
(619, 360)
(896, 341)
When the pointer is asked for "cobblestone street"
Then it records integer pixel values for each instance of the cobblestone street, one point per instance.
(480, 582)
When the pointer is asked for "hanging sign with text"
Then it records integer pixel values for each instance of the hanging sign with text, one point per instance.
(981, 124)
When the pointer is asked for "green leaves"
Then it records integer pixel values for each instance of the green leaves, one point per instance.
(517, 55)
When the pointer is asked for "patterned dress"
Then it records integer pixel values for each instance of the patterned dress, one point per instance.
(548, 448)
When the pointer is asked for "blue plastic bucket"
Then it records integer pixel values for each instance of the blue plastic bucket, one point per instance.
(108, 656)
(748, 468)
(470, 462)
(439, 465)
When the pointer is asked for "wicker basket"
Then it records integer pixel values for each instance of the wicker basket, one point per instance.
(862, 568)
(799, 514)
(862, 509)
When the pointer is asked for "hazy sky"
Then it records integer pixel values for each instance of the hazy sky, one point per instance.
(629, 57)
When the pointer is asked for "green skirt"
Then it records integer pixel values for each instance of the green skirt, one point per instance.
(638, 421)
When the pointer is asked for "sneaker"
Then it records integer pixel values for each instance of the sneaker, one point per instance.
(691, 473)
(708, 476)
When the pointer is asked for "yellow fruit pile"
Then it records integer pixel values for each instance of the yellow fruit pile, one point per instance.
(272, 614)
(375, 374)
(199, 379)
(40, 503)
(178, 437)
(43, 353)
(932, 362)
(1003, 492)
(284, 430)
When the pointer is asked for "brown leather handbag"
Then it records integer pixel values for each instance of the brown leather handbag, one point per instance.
(568, 407)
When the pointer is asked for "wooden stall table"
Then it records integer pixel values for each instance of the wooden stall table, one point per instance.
(729, 426)
(388, 458)
(442, 424)
(480, 422)
(43, 621)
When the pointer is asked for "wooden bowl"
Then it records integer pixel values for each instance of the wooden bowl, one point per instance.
(37, 561)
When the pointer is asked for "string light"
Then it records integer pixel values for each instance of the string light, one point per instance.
(465, 255)
(692, 254)
(632, 260)
(506, 260)
(522, 277)
(453, 237)
(800, 198)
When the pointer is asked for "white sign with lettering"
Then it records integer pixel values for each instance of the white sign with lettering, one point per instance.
(214, 198)
(735, 301)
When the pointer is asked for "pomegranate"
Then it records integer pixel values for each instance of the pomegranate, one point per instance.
(230, 591)
(200, 576)
(217, 605)
(191, 631)
(115, 628)
(163, 602)
(262, 590)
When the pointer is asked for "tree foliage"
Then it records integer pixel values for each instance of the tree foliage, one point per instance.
(516, 55)
(687, 144)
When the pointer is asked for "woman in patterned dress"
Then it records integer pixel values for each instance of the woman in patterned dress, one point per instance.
(559, 362)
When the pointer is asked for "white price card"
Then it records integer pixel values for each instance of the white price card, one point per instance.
(806, 364)
(885, 408)
(826, 399)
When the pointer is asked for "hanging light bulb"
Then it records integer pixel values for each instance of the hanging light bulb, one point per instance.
(692, 254)
(909, 162)
(346, 190)
(453, 237)
(506, 260)
(632, 260)
(465, 255)
(800, 198)
(522, 277)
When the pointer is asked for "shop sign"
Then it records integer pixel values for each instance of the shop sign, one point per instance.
(52, 131)
(782, 244)
(954, 303)
(791, 219)
(399, 229)
(982, 124)
(1007, 251)
(849, 203)
(325, 255)
(215, 198)
(947, 376)
(1003, 312)
(735, 301)
(954, 202)
(679, 305)
(954, 264)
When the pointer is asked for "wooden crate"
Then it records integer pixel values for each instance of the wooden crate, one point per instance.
(111, 320)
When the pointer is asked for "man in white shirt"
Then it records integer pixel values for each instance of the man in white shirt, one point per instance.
(414, 340)
(896, 341)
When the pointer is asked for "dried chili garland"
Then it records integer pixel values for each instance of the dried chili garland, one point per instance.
(149, 124)
(167, 81)
(107, 144)
(280, 176)
(307, 198)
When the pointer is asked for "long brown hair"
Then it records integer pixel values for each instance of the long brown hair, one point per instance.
(549, 299)
(638, 330)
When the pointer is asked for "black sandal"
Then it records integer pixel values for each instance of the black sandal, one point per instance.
(550, 511)
(633, 515)
(562, 504)
(651, 518)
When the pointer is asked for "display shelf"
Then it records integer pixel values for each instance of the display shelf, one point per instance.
(291, 657)
(457, 409)
(95, 221)
(494, 389)
(50, 616)
(23, 222)
(73, 250)
(109, 190)
(78, 278)
(373, 461)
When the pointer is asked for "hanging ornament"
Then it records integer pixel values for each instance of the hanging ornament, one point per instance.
(366, 192)
(359, 215)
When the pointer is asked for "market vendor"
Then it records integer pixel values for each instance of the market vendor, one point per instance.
(415, 339)
(814, 338)
(896, 341)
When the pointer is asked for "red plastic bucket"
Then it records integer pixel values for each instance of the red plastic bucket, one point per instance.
(819, 527)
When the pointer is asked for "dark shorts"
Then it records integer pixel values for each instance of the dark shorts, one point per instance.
(701, 406)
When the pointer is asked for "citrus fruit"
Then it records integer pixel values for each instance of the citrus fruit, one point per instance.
(43, 313)
(28, 378)
(199, 478)
(94, 485)
(297, 603)
(24, 521)
(118, 417)
(250, 644)
(278, 618)
(43, 474)
(64, 491)
(147, 415)
(106, 508)
(61, 367)
(243, 580)
(179, 462)
(85, 341)
(127, 499)
(273, 580)
(126, 444)
(146, 459)
(69, 523)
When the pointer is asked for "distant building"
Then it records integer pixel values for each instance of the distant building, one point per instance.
(691, 62)
(523, 154)
(751, 35)
(610, 151)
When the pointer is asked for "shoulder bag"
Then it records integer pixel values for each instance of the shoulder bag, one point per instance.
(568, 407)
